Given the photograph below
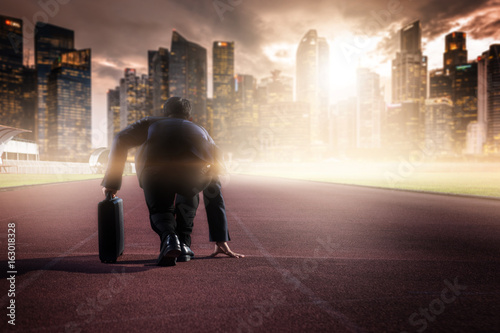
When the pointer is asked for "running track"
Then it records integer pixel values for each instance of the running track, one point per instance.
(320, 258)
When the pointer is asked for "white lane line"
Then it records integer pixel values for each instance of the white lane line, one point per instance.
(324, 305)
(50, 264)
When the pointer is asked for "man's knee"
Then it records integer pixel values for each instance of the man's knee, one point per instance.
(185, 212)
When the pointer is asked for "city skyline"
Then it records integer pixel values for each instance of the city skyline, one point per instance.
(260, 44)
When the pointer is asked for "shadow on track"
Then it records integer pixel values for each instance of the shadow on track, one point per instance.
(76, 264)
(89, 264)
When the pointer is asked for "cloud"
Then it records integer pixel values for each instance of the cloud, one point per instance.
(120, 32)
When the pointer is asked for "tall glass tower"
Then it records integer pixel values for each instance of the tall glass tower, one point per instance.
(69, 107)
(223, 87)
(133, 97)
(493, 101)
(11, 71)
(409, 84)
(50, 42)
(159, 62)
(113, 102)
(188, 75)
(312, 75)
(369, 109)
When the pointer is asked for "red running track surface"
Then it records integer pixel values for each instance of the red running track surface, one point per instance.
(320, 258)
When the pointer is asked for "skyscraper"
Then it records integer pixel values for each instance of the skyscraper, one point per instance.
(312, 75)
(50, 42)
(284, 131)
(411, 38)
(409, 82)
(493, 91)
(69, 107)
(223, 89)
(113, 101)
(369, 108)
(244, 117)
(159, 62)
(11, 71)
(440, 84)
(439, 126)
(481, 127)
(149, 99)
(343, 126)
(277, 87)
(188, 75)
(29, 103)
(455, 50)
(464, 97)
(457, 81)
(133, 97)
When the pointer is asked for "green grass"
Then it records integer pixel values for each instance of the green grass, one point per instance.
(471, 183)
(485, 183)
(10, 180)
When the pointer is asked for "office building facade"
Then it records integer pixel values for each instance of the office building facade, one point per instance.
(369, 108)
(464, 97)
(284, 131)
(312, 87)
(158, 70)
(113, 107)
(276, 88)
(244, 119)
(223, 90)
(50, 43)
(11, 72)
(343, 127)
(439, 125)
(455, 50)
(409, 83)
(69, 107)
(133, 97)
(493, 101)
(188, 75)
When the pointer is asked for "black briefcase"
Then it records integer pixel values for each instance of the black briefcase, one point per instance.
(110, 228)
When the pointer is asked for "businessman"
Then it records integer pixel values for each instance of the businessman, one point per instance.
(176, 158)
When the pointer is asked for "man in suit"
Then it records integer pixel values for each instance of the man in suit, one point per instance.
(176, 157)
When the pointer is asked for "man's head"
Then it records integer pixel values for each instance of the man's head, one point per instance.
(177, 107)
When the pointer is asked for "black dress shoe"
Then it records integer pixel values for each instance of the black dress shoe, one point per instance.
(170, 250)
(186, 253)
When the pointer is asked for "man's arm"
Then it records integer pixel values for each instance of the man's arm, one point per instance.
(216, 212)
(132, 136)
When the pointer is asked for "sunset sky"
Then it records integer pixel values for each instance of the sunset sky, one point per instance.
(266, 33)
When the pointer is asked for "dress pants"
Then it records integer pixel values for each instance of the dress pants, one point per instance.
(185, 212)
(160, 199)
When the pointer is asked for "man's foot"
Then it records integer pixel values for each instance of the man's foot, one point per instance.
(170, 250)
(186, 253)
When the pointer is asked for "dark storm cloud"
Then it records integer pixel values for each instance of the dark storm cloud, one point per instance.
(479, 29)
(126, 29)
(439, 17)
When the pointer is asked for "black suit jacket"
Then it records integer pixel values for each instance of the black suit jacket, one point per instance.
(171, 149)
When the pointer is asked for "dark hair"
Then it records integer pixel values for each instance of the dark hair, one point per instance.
(177, 107)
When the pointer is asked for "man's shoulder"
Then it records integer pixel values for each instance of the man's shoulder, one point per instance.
(152, 119)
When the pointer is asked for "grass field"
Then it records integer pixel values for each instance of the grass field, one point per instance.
(481, 180)
(443, 179)
(10, 180)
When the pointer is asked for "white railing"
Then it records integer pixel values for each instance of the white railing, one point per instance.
(44, 167)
